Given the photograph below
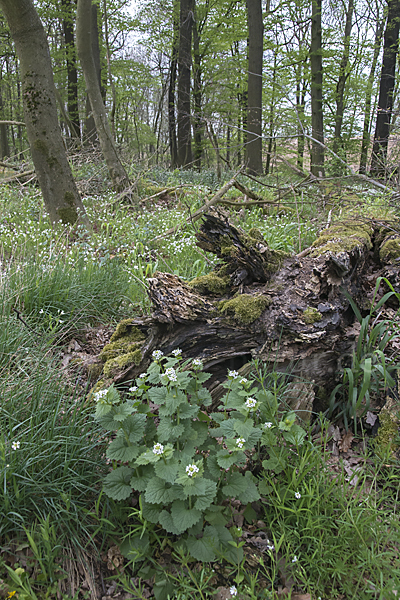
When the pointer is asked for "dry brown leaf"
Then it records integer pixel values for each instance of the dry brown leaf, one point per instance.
(345, 442)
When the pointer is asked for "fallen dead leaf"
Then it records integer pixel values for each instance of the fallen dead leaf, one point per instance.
(345, 442)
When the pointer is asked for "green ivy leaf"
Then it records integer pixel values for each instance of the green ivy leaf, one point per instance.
(119, 449)
(167, 471)
(117, 483)
(160, 492)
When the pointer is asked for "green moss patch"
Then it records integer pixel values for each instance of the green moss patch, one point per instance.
(311, 315)
(390, 248)
(344, 237)
(114, 365)
(245, 308)
(210, 284)
(387, 438)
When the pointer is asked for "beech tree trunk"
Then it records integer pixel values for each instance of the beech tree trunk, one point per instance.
(173, 145)
(254, 87)
(185, 157)
(72, 73)
(60, 193)
(317, 116)
(386, 88)
(117, 172)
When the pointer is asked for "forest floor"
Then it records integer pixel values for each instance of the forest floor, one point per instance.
(326, 525)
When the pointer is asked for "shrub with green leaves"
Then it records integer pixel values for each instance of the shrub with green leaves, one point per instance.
(185, 463)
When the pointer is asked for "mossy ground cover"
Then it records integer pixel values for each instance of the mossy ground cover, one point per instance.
(328, 537)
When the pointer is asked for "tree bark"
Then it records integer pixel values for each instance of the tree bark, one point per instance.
(343, 76)
(72, 73)
(368, 95)
(254, 87)
(173, 144)
(317, 117)
(185, 157)
(386, 87)
(89, 131)
(198, 124)
(60, 193)
(117, 172)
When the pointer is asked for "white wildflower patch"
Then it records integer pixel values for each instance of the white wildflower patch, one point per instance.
(197, 363)
(243, 381)
(176, 352)
(99, 396)
(233, 374)
(133, 389)
(15, 445)
(157, 354)
(191, 470)
(251, 403)
(171, 374)
(158, 448)
(240, 442)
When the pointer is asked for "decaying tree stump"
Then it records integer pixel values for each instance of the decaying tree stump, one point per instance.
(291, 312)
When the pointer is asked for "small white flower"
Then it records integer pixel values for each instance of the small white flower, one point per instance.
(176, 352)
(297, 495)
(197, 363)
(143, 376)
(191, 470)
(240, 442)
(133, 389)
(243, 380)
(99, 395)
(233, 590)
(251, 403)
(157, 354)
(267, 425)
(41, 311)
(270, 547)
(171, 374)
(15, 445)
(233, 374)
(294, 559)
(158, 448)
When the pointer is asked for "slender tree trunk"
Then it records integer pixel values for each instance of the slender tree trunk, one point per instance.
(4, 145)
(84, 47)
(317, 118)
(197, 97)
(343, 76)
(60, 194)
(300, 107)
(184, 68)
(173, 145)
(254, 87)
(110, 77)
(72, 73)
(89, 132)
(368, 97)
(271, 120)
(386, 87)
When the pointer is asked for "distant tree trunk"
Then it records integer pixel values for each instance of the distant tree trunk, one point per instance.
(368, 96)
(173, 145)
(89, 132)
(386, 87)
(271, 116)
(343, 75)
(84, 47)
(4, 145)
(300, 106)
(184, 67)
(197, 97)
(317, 118)
(60, 193)
(254, 87)
(72, 73)
(110, 77)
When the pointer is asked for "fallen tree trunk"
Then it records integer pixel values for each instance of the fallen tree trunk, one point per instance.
(291, 313)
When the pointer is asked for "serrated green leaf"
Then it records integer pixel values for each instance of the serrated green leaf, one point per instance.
(274, 463)
(203, 377)
(117, 483)
(204, 396)
(264, 488)
(203, 549)
(119, 449)
(215, 515)
(151, 512)
(141, 477)
(106, 421)
(213, 467)
(166, 521)
(160, 492)
(167, 470)
(135, 547)
(253, 437)
(226, 460)
(243, 428)
(218, 417)
(251, 494)
(168, 431)
(122, 411)
(207, 498)
(187, 411)
(269, 437)
(134, 426)
(157, 395)
(183, 516)
(173, 399)
(295, 436)
(225, 429)
(101, 411)
(236, 485)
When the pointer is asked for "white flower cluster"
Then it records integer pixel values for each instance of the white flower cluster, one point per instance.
(192, 470)
(251, 403)
(157, 354)
(133, 389)
(15, 445)
(240, 442)
(176, 352)
(158, 448)
(171, 374)
(243, 381)
(197, 363)
(233, 374)
(143, 376)
(99, 395)
(267, 425)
